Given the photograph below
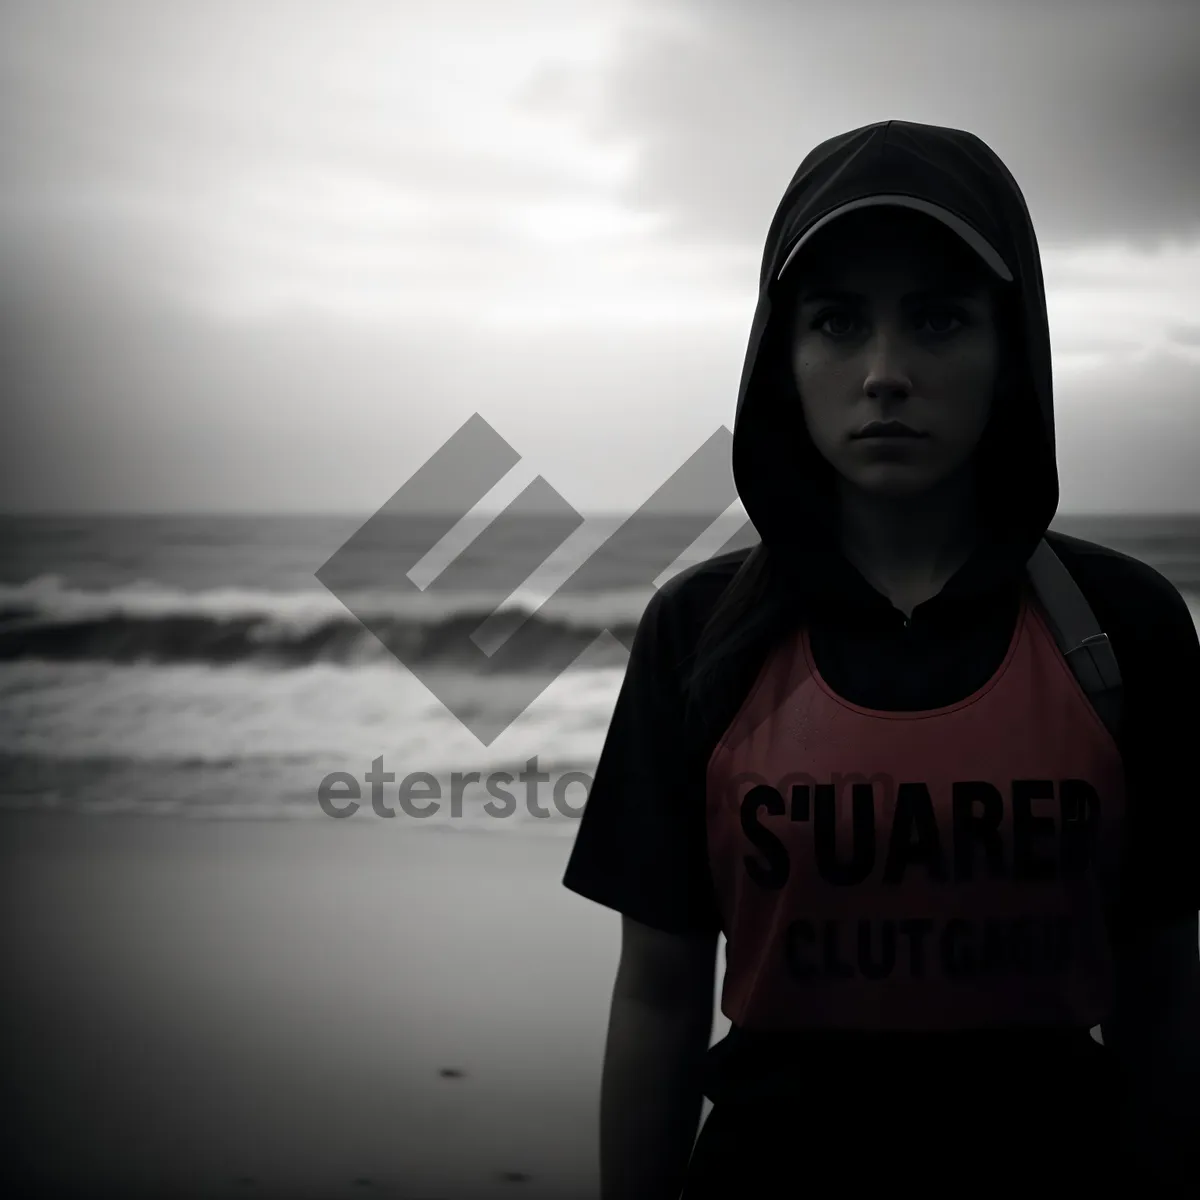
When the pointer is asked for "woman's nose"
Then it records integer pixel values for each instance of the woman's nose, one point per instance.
(886, 363)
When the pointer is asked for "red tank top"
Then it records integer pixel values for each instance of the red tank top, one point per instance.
(937, 870)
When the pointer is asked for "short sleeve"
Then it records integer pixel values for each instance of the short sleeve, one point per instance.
(641, 845)
(1161, 873)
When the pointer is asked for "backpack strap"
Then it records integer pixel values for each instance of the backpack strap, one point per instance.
(1083, 643)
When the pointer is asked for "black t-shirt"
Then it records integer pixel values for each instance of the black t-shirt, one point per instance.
(642, 849)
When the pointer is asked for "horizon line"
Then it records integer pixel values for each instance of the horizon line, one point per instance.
(363, 515)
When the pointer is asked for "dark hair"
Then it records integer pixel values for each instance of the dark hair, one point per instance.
(759, 606)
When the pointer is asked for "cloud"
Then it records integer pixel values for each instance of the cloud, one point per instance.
(1118, 449)
(1091, 105)
(1185, 335)
(123, 401)
(267, 255)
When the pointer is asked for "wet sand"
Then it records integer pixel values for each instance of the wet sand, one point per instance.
(304, 1008)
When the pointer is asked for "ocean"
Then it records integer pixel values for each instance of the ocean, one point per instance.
(194, 667)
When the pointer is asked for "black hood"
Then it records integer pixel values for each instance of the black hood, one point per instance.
(784, 484)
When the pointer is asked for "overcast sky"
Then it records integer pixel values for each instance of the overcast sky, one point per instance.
(268, 256)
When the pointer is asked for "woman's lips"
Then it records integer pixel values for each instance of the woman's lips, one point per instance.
(888, 429)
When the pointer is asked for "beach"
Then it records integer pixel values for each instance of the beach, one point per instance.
(267, 1007)
(213, 987)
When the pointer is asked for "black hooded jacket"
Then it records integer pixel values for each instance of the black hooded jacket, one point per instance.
(641, 848)
(780, 479)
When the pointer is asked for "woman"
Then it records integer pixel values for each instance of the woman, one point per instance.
(856, 750)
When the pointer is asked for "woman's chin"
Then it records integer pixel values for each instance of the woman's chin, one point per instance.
(892, 480)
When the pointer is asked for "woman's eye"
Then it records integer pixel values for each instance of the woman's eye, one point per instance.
(824, 320)
(942, 322)
(941, 314)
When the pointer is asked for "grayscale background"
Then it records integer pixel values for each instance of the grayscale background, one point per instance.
(258, 261)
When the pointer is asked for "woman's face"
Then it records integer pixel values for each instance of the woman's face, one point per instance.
(893, 323)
